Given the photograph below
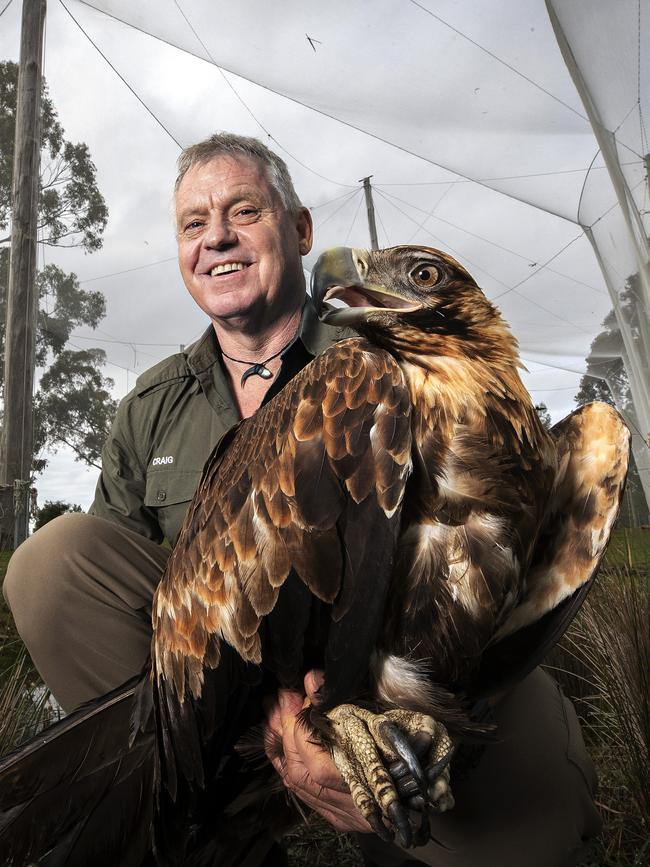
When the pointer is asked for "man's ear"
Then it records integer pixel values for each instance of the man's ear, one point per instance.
(305, 228)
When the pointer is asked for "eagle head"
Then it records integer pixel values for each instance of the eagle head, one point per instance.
(409, 295)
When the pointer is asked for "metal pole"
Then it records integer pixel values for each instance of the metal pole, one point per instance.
(372, 226)
(17, 434)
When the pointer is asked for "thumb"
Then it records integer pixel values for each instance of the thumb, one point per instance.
(314, 679)
(290, 702)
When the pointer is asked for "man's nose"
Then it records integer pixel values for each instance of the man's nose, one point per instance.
(220, 233)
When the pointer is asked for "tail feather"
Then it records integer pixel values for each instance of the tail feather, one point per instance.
(82, 791)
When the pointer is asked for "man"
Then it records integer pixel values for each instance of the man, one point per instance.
(81, 588)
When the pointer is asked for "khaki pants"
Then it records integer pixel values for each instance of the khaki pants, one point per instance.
(80, 590)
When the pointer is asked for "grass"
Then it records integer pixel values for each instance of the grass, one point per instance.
(629, 547)
(603, 664)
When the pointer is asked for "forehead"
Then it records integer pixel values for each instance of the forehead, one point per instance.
(222, 179)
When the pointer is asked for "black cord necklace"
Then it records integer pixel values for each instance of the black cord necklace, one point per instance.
(257, 368)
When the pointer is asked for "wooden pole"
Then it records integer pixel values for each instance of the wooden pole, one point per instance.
(22, 303)
(372, 226)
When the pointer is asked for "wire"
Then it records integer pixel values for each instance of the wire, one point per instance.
(124, 343)
(108, 361)
(249, 110)
(381, 222)
(121, 77)
(498, 59)
(354, 220)
(541, 268)
(562, 388)
(441, 241)
(329, 201)
(644, 135)
(350, 197)
(6, 6)
(456, 226)
(505, 177)
(129, 270)
(431, 212)
(333, 117)
(508, 288)
(494, 244)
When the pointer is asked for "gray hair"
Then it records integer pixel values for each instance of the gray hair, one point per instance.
(232, 145)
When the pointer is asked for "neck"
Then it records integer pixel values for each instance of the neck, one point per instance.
(261, 343)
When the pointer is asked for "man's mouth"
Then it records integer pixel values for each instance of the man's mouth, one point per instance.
(227, 268)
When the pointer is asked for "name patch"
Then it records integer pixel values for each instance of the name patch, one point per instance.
(168, 459)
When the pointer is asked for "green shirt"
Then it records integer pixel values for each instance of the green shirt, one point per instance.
(168, 425)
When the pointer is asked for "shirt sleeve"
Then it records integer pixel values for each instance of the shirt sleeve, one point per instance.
(120, 492)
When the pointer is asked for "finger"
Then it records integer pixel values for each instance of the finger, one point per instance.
(317, 761)
(314, 679)
(290, 703)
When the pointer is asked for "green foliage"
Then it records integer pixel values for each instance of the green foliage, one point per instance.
(72, 211)
(51, 509)
(66, 306)
(63, 306)
(73, 405)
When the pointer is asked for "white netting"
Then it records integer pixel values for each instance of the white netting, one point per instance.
(616, 95)
(465, 114)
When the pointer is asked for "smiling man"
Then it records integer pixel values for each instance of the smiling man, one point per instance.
(241, 235)
(81, 587)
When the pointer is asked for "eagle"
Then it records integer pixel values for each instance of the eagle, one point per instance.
(396, 516)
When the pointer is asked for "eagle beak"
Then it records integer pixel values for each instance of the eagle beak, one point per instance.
(340, 273)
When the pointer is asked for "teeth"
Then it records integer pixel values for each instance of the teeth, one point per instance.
(226, 269)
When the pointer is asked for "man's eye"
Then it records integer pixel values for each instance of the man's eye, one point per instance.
(246, 214)
(194, 224)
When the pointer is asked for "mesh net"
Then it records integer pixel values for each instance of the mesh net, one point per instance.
(511, 134)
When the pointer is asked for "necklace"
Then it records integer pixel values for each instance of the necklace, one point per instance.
(257, 368)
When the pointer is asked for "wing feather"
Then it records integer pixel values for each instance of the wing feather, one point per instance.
(277, 499)
(593, 447)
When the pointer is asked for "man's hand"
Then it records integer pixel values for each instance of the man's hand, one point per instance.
(306, 768)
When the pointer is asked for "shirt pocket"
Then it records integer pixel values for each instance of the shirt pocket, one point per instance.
(168, 493)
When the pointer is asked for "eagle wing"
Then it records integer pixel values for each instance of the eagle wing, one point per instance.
(593, 447)
(277, 499)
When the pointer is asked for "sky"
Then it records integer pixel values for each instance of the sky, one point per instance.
(431, 110)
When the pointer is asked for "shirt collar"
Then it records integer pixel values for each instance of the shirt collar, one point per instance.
(314, 334)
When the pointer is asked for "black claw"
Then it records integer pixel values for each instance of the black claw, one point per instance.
(400, 743)
(416, 803)
(434, 771)
(421, 742)
(374, 820)
(399, 817)
(407, 787)
(398, 770)
(423, 831)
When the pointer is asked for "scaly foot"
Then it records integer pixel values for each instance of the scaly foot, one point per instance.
(377, 755)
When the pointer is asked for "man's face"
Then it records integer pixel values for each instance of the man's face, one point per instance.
(239, 250)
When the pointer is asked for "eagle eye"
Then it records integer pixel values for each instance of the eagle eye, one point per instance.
(425, 276)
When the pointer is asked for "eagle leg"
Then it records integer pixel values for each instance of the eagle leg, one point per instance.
(377, 755)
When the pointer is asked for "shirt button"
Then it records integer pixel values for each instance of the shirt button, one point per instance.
(161, 496)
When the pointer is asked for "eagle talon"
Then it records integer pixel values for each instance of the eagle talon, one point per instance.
(423, 831)
(377, 755)
(384, 833)
(400, 820)
(400, 743)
